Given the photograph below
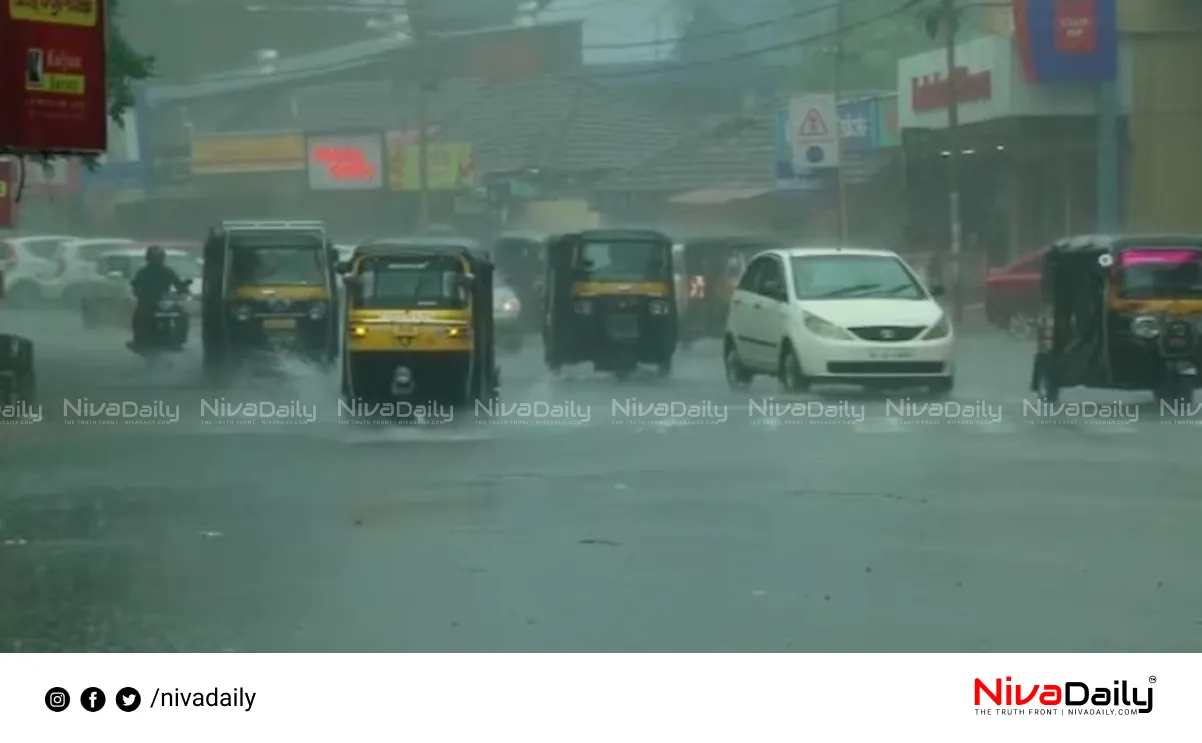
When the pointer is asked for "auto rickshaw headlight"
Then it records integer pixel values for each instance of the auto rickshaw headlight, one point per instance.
(660, 307)
(461, 331)
(1146, 327)
(242, 313)
(318, 311)
(358, 331)
(584, 306)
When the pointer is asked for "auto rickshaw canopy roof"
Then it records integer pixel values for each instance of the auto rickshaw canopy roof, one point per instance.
(462, 247)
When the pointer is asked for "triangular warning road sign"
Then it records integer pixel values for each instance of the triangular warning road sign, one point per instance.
(813, 125)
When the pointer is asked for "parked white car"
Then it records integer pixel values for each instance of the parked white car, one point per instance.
(837, 316)
(31, 267)
(106, 298)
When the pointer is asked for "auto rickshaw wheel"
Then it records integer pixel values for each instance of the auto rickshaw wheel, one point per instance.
(1046, 384)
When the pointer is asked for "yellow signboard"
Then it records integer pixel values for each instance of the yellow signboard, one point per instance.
(59, 12)
(273, 154)
(452, 165)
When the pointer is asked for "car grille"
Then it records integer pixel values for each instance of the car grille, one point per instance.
(888, 333)
(885, 367)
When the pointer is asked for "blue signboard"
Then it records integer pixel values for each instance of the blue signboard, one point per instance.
(1067, 41)
(857, 124)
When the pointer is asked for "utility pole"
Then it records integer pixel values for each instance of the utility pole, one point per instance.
(415, 9)
(951, 22)
(838, 123)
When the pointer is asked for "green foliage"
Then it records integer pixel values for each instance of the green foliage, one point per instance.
(125, 66)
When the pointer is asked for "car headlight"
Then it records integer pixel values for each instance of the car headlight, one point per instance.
(818, 326)
(1146, 327)
(584, 306)
(318, 311)
(941, 329)
(660, 307)
(242, 313)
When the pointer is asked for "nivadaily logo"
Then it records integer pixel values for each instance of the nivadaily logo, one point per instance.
(1071, 698)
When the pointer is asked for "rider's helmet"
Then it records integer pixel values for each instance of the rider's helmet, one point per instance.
(155, 255)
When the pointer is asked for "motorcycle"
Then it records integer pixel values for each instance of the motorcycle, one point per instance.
(167, 331)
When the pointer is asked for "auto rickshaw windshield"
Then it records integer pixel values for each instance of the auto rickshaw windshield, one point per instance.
(271, 260)
(1144, 273)
(410, 283)
(623, 261)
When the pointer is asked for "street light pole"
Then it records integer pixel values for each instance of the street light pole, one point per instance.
(838, 123)
(415, 9)
(951, 24)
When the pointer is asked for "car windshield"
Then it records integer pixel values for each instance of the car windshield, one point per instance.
(852, 276)
(411, 283)
(277, 260)
(185, 266)
(1160, 272)
(623, 261)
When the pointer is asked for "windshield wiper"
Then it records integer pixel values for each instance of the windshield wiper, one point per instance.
(898, 289)
(848, 290)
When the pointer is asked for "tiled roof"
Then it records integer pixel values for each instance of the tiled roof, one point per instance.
(735, 154)
(560, 124)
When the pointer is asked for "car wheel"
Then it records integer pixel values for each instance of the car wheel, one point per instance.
(737, 375)
(792, 379)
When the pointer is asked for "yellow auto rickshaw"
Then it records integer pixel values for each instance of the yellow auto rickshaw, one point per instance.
(419, 314)
(611, 300)
(269, 286)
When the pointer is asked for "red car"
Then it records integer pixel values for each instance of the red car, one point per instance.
(1012, 295)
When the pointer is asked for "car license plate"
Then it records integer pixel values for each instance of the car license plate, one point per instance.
(891, 355)
(287, 323)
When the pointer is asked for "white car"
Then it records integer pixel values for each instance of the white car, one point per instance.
(837, 316)
(77, 261)
(106, 297)
(30, 266)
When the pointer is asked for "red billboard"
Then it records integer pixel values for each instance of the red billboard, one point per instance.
(52, 75)
(8, 195)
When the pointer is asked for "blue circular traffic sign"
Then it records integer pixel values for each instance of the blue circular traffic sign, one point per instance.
(815, 154)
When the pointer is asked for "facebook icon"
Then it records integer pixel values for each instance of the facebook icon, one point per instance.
(92, 699)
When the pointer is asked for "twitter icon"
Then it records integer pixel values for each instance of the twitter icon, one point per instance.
(128, 699)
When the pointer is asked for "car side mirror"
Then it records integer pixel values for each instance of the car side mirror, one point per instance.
(938, 291)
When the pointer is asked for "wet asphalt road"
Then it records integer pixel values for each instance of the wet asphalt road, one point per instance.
(752, 535)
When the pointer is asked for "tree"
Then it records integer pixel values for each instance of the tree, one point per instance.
(125, 66)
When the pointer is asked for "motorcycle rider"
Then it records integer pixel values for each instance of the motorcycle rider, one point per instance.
(151, 284)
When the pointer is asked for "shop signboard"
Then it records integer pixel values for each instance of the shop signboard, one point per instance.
(1067, 41)
(351, 162)
(280, 153)
(788, 174)
(452, 164)
(857, 124)
(52, 76)
(887, 130)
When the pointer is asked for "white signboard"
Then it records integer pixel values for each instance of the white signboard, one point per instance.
(814, 131)
(346, 163)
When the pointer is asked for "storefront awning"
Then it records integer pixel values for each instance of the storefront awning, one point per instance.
(716, 196)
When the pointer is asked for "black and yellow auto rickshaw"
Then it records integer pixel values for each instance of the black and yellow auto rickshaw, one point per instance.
(610, 301)
(710, 272)
(269, 286)
(419, 315)
(1121, 313)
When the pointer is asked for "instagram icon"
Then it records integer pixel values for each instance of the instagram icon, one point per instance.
(57, 699)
